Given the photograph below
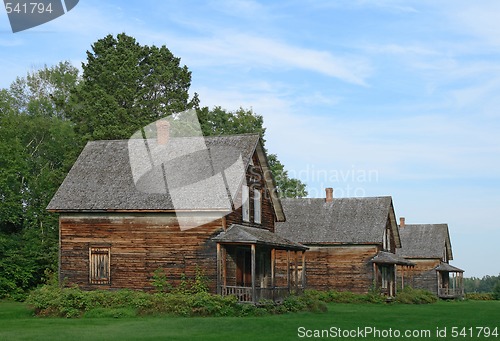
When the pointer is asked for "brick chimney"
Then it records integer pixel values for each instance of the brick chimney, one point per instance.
(329, 194)
(162, 132)
(402, 222)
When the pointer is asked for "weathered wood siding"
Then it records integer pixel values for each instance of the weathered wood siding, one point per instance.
(423, 275)
(255, 179)
(139, 244)
(340, 267)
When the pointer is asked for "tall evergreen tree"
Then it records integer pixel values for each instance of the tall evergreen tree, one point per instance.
(126, 86)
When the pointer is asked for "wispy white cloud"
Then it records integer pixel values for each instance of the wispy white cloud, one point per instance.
(480, 21)
(248, 50)
(387, 5)
(241, 8)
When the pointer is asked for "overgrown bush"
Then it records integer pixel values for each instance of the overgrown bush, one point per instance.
(410, 295)
(332, 296)
(186, 285)
(479, 296)
(496, 291)
(50, 300)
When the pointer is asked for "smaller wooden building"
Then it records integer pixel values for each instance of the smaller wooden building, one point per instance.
(428, 246)
(352, 242)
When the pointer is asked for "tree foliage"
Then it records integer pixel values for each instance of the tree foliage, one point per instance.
(37, 148)
(44, 92)
(486, 284)
(126, 86)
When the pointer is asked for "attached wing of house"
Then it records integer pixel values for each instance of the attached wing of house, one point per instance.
(352, 241)
(429, 247)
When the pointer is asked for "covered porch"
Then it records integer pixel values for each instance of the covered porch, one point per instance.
(249, 263)
(449, 281)
(385, 272)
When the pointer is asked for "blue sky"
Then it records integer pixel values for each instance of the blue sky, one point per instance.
(371, 98)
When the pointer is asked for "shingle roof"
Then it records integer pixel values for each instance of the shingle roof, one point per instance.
(448, 268)
(344, 220)
(425, 241)
(239, 234)
(384, 257)
(102, 178)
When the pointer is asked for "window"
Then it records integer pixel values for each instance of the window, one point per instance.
(386, 243)
(99, 265)
(257, 206)
(245, 203)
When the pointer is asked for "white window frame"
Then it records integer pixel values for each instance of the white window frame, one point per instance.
(257, 206)
(99, 265)
(245, 203)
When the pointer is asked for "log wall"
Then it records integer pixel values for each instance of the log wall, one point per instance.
(424, 275)
(341, 268)
(139, 244)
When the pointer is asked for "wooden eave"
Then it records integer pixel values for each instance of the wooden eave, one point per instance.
(135, 211)
(270, 183)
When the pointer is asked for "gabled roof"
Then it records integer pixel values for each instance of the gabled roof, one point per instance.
(342, 221)
(425, 241)
(239, 234)
(140, 175)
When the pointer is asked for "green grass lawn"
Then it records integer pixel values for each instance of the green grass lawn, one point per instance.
(17, 323)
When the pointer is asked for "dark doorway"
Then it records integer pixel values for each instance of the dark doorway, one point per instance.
(243, 268)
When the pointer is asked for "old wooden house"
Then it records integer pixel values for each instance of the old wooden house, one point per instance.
(428, 246)
(352, 242)
(209, 205)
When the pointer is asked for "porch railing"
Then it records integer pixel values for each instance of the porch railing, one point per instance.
(450, 292)
(244, 294)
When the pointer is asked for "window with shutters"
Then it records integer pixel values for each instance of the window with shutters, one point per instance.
(100, 265)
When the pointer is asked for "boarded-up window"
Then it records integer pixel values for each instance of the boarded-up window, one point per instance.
(257, 206)
(245, 203)
(100, 265)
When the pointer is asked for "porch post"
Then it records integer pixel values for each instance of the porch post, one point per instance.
(303, 269)
(402, 277)
(375, 275)
(288, 270)
(224, 267)
(395, 283)
(438, 282)
(273, 262)
(296, 271)
(219, 272)
(254, 298)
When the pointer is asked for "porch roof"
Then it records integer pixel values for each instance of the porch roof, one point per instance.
(384, 257)
(239, 234)
(448, 268)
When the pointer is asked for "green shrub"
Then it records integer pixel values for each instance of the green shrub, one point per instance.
(410, 295)
(51, 300)
(496, 291)
(160, 281)
(479, 296)
(332, 296)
